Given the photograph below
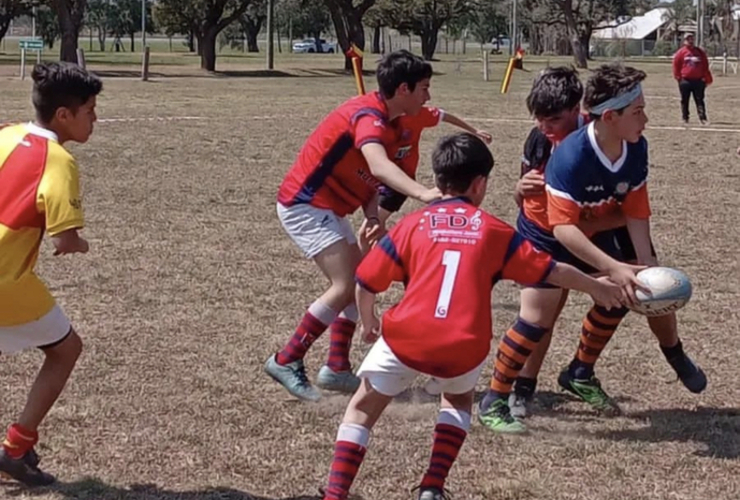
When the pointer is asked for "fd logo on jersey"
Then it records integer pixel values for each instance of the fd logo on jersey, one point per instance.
(622, 188)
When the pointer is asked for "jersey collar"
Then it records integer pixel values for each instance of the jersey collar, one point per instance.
(34, 129)
(612, 167)
(456, 199)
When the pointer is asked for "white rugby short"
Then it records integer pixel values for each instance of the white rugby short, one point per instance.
(314, 229)
(389, 376)
(50, 329)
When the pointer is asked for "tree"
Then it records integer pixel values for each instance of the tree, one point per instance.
(126, 19)
(247, 27)
(47, 26)
(9, 10)
(173, 20)
(423, 17)
(677, 14)
(251, 23)
(487, 19)
(204, 18)
(70, 15)
(347, 18)
(99, 16)
(582, 17)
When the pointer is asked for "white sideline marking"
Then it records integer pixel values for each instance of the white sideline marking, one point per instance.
(472, 119)
(151, 119)
(649, 127)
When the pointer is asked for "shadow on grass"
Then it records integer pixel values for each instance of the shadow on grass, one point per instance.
(718, 429)
(95, 489)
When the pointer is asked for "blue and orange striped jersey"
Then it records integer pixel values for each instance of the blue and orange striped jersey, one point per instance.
(582, 183)
(39, 192)
(449, 255)
(330, 171)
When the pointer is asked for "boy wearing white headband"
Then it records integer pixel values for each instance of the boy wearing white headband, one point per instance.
(597, 171)
(555, 98)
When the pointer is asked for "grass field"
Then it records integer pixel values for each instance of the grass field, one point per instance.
(191, 284)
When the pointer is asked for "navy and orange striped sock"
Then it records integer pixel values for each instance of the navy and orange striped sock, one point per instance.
(513, 351)
(598, 328)
(312, 325)
(349, 451)
(449, 435)
(19, 441)
(341, 332)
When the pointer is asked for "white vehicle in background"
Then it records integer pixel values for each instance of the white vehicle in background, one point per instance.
(309, 46)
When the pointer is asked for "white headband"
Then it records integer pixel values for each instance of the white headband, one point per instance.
(618, 102)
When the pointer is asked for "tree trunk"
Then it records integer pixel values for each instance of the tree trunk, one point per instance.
(4, 25)
(133, 42)
(347, 21)
(191, 42)
(570, 23)
(70, 15)
(429, 43)
(585, 40)
(101, 39)
(317, 42)
(207, 47)
(252, 41)
(376, 39)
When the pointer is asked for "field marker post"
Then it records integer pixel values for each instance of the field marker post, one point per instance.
(81, 58)
(145, 64)
(23, 63)
(485, 66)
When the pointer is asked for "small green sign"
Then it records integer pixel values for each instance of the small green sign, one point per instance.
(32, 44)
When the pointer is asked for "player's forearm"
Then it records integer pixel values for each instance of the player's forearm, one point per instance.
(579, 245)
(567, 276)
(639, 230)
(389, 174)
(458, 122)
(365, 304)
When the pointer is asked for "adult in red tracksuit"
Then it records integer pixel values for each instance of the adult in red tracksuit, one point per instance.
(691, 70)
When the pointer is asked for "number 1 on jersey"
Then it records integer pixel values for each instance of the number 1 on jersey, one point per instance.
(451, 261)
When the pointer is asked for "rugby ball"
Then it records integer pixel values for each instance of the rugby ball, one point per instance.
(671, 290)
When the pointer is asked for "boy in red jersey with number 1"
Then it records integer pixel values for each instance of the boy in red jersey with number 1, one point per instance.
(339, 170)
(449, 255)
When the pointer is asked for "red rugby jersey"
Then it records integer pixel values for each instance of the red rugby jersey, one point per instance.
(330, 171)
(449, 255)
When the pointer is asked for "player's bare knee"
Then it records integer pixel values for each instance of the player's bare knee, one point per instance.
(67, 351)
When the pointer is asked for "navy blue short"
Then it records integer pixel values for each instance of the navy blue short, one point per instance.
(616, 243)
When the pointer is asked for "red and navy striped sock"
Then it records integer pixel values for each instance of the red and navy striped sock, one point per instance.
(341, 331)
(313, 324)
(449, 436)
(349, 452)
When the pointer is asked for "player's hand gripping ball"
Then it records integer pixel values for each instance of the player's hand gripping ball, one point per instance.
(670, 291)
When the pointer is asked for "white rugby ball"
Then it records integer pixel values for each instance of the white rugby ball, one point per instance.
(671, 290)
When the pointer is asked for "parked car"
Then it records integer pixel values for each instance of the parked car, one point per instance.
(309, 46)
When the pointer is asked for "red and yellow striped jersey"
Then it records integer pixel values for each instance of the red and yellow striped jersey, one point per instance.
(39, 192)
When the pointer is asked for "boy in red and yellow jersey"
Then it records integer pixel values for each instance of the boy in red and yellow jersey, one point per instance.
(39, 193)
